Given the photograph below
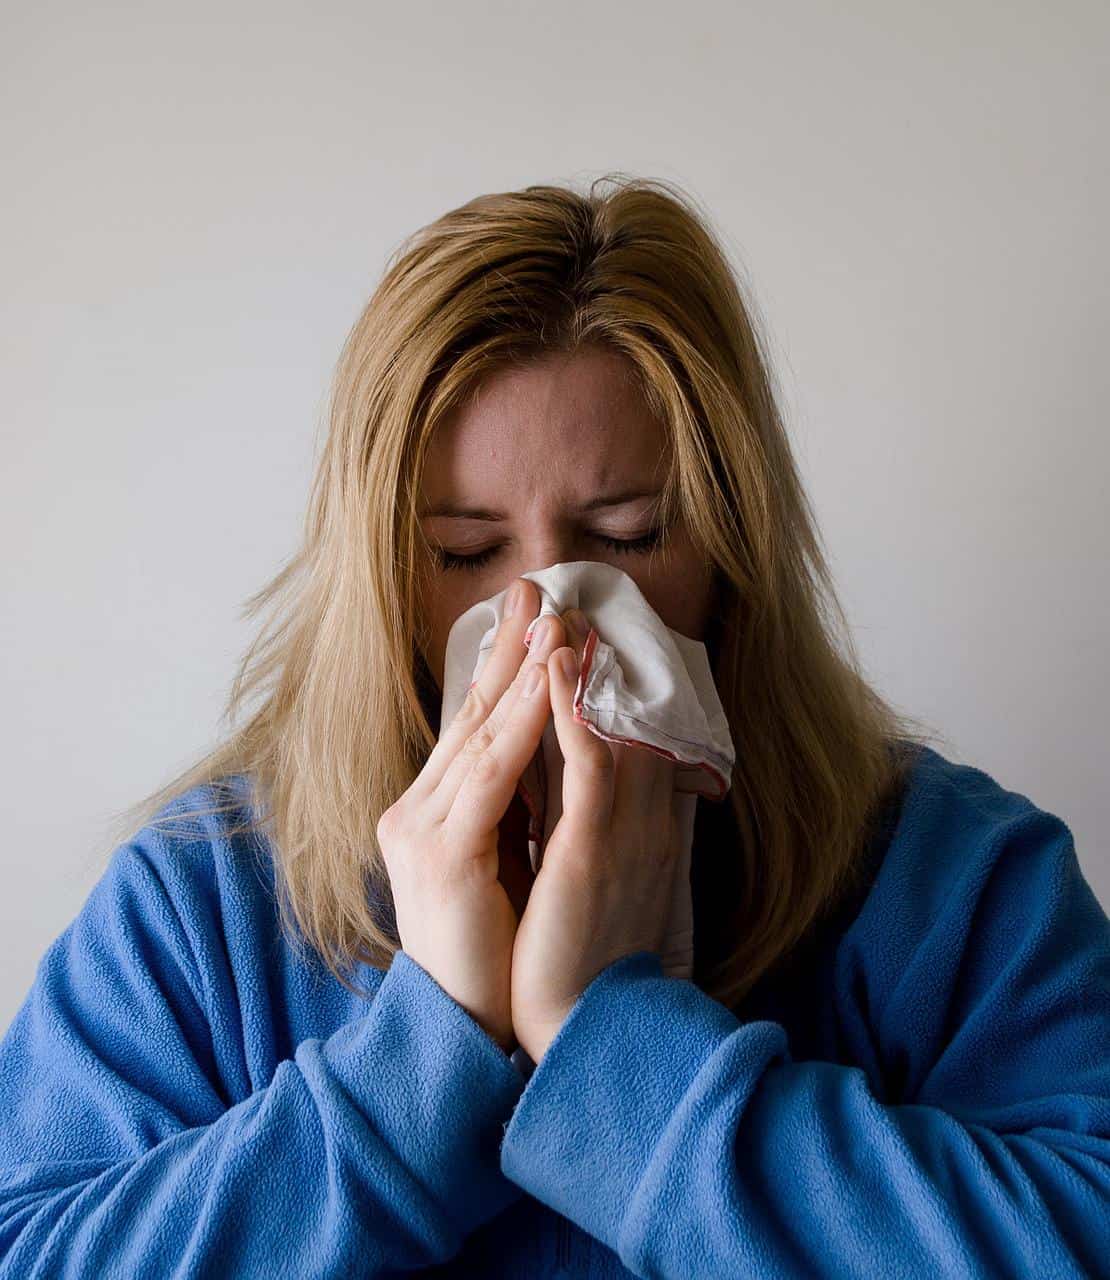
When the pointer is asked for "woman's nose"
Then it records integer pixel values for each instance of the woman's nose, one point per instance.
(543, 550)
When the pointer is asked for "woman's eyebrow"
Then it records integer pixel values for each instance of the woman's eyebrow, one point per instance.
(457, 511)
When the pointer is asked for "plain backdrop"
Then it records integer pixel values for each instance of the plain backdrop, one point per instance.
(198, 201)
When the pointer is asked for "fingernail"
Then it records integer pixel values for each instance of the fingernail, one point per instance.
(532, 679)
(513, 600)
(568, 663)
(540, 632)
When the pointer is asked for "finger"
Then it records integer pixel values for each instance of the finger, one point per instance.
(485, 773)
(506, 658)
(485, 737)
(588, 769)
(643, 781)
(578, 628)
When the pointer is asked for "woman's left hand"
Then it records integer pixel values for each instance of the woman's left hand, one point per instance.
(604, 887)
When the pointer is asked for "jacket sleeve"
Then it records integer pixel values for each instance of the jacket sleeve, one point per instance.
(693, 1145)
(372, 1150)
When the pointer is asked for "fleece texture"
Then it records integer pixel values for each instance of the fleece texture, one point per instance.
(925, 1093)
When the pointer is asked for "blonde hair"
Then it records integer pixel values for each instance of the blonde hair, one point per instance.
(347, 710)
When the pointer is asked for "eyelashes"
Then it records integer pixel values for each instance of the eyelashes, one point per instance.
(623, 546)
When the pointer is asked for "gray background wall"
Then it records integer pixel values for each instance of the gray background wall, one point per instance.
(198, 201)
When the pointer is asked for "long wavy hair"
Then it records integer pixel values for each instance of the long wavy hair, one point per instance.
(346, 710)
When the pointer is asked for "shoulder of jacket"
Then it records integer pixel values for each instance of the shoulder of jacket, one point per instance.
(956, 825)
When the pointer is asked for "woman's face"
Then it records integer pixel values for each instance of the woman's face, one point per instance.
(550, 452)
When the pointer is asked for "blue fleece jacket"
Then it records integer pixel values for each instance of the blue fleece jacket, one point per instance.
(927, 1094)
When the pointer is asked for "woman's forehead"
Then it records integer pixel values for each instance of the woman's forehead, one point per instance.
(580, 424)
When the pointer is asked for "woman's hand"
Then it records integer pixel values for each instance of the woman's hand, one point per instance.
(604, 887)
(439, 839)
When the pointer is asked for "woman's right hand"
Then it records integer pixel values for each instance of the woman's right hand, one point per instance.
(439, 839)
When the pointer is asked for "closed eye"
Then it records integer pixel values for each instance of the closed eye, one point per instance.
(623, 546)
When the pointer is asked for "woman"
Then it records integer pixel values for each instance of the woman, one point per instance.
(317, 1019)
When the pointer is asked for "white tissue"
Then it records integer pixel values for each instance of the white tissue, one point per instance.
(640, 683)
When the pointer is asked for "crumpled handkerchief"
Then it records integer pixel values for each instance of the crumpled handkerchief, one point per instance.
(640, 683)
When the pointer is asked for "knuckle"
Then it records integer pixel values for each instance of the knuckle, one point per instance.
(480, 741)
(391, 831)
(387, 824)
(486, 767)
(527, 667)
(398, 822)
(476, 706)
